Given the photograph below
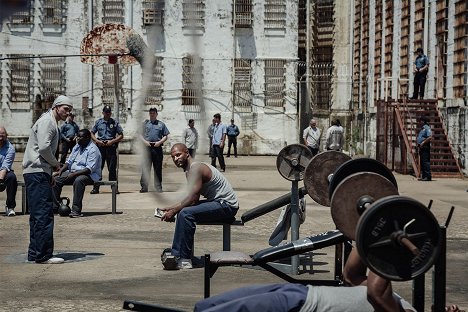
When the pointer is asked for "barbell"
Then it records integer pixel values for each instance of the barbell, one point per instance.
(397, 237)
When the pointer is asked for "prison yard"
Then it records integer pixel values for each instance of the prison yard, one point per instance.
(111, 258)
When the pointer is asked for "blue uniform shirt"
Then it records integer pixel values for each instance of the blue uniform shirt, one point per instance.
(88, 157)
(424, 133)
(154, 131)
(7, 156)
(106, 130)
(69, 130)
(421, 61)
(232, 130)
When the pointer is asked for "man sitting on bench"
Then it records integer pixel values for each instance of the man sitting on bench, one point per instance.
(220, 205)
(369, 293)
(83, 167)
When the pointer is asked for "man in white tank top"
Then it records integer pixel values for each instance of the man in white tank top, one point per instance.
(220, 205)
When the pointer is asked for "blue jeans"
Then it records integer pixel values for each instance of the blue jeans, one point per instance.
(217, 152)
(186, 223)
(41, 217)
(11, 188)
(276, 297)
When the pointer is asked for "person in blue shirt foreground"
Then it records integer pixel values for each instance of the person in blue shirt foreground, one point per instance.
(83, 167)
(7, 175)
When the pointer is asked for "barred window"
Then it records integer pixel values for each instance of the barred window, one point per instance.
(192, 79)
(156, 86)
(153, 12)
(52, 12)
(20, 72)
(25, 15)
(242, 13)
(275, 14)
(52, 73)
(275, 83)
(193, 12)
(113, 11)
(108, 85)
(242, 83)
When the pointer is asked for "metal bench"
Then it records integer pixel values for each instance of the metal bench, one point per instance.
(113, 185)
(226, 231)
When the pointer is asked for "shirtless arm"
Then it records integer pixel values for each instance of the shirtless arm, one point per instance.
(379, 289)
(197, 175)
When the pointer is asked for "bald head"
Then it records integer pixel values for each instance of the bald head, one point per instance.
(181, 147)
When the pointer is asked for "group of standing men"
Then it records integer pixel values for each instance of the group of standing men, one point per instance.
(334, 138)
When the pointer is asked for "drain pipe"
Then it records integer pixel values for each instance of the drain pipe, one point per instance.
(130, 74)
(91, 67)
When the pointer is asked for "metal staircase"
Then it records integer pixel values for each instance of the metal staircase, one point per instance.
(443, 161)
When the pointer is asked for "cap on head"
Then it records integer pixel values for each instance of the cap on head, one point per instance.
(62, 100)
(153, 109)
(420, 50)
(106, 109)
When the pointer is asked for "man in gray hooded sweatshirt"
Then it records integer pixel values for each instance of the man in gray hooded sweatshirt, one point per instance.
(38, 164)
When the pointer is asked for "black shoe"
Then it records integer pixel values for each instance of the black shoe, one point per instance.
(94, 191)
(425, 179)
(143, 190)
(228, 156)
(75, 214)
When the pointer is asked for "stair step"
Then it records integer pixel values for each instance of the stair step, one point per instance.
(444, 168)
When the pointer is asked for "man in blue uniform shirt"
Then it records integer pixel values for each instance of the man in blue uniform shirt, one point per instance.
(155, 133)
(106, 134)
(82, 168)
(232, 134)
(217, 143)
(7, 175)
(424, 148)
(420, 67)
(68, 132)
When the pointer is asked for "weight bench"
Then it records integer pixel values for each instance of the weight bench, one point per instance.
(253, 214)
(261, 258)
(113, 185)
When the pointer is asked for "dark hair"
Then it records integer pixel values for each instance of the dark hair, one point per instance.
(85, 132)
(153, 109)
(218, 116)
(190, 120)
(420, 50)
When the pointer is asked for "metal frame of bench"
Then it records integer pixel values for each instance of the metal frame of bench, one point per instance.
(263, 257)
(226, 231)
(113, 185)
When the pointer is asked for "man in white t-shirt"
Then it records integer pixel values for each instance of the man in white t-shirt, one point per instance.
(312, 136)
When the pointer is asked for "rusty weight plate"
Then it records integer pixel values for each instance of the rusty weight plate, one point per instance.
(317, 172)
(345, 199)
(292, 161)
(359, 165)
(381, 229)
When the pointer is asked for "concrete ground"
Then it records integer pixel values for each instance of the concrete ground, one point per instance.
(111, 258)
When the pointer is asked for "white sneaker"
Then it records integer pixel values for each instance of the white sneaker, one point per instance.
(11, 212)
(54, 260)
(184, 264)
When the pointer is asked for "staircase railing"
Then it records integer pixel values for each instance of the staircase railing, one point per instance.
(400, 112)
